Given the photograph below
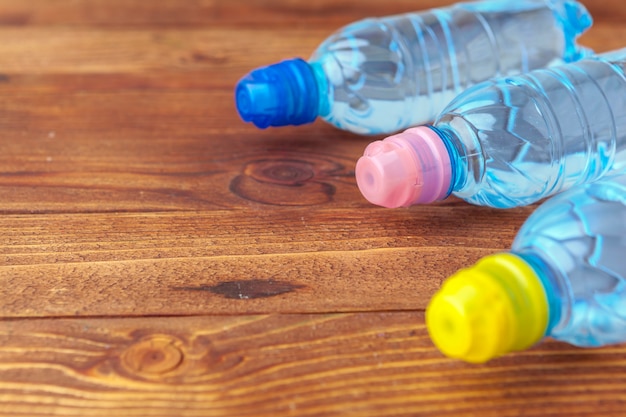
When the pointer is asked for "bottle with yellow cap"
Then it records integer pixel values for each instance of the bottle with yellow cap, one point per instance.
(565, 278)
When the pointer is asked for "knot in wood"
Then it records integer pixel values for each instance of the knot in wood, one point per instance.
(281, 171)
(286, 181)
(154, 356)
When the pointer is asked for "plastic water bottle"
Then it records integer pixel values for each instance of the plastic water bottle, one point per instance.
(510, 141)
(564, 278)
(384, 75)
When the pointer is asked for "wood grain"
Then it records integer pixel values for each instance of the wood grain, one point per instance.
(161, 263)
(284, 365)
(159, 257)
(197, 13)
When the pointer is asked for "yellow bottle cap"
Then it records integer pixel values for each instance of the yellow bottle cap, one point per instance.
(496, 306)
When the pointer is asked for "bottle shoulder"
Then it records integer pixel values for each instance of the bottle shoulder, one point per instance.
(508, 152)
(369, 76)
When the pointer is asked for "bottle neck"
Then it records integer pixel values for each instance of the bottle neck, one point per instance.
(465, 150)
(323, 88)
(556, 293)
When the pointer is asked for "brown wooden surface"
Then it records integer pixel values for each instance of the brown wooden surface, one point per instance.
(159, 257)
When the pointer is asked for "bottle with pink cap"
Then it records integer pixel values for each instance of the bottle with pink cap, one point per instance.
(510, 141)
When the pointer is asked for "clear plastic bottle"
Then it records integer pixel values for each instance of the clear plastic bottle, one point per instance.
(565, 278)
(383, 75)
(510, 141)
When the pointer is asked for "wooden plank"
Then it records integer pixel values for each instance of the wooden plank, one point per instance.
(111, 129)
(286, 365)
(239, 261)
(28, 50)
(198, 13)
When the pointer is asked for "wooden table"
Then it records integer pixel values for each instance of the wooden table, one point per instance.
(159, 257)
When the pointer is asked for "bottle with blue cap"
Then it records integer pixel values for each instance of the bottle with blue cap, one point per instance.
(381, 75)
(564, 278)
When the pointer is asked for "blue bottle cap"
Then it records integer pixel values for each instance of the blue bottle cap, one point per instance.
(281, 94)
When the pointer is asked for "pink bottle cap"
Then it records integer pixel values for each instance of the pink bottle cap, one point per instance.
(412, 167)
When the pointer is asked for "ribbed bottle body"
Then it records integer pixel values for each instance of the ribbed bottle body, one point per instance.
(386, 74)
(522, 138)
